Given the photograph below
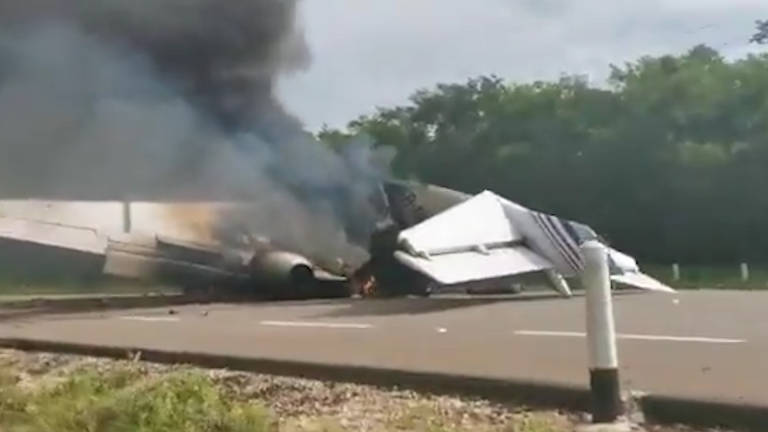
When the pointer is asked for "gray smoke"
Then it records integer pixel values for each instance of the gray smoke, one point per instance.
(172, 100)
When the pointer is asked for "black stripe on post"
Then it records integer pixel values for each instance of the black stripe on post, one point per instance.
(606, 395)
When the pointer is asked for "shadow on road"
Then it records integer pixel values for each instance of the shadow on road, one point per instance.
(24, 309)
(418, 305)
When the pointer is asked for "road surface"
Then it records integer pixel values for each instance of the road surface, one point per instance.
(706, 344)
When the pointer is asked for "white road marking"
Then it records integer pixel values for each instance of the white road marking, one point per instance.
(634, 337)
(315, 324)
(149, 318)
(441, 330)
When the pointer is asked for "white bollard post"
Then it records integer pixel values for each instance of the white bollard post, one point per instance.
(675, 272)
(601, 335)
(126, 216)
(744, 272)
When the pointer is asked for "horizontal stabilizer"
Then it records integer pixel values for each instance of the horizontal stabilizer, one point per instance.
(641, 281)
(467, 266)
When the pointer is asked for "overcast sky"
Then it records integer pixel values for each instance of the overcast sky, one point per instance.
(369, 53)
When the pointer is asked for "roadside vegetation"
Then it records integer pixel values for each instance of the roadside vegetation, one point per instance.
(124, 400)
(41, 392)
(46, 392)
(666, 158)
(710, 276)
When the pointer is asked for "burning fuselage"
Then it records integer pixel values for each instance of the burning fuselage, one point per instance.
(182, 244)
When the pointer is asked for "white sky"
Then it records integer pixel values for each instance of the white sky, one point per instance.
(369, 53)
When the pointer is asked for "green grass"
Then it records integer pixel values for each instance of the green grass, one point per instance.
(124, 397)
(124, 400)
(710, 277)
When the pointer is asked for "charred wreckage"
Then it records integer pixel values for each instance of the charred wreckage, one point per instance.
(114, 99)
(429, 239)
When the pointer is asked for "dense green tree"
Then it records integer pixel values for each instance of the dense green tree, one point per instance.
(761, 35)
(669, 159)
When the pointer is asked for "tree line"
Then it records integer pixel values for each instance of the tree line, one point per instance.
(668, 159)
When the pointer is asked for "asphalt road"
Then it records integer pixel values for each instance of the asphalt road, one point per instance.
(709, 345)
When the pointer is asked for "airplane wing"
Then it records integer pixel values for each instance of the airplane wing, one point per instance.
(61, 236)
(162, 258)
(471, 241)
(489, 237)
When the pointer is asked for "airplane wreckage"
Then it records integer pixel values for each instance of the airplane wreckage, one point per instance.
(431, 239)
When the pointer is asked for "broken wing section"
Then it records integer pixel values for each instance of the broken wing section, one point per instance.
(471, 241)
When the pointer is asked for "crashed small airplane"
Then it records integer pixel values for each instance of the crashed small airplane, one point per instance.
(438, 238)
(429, 239)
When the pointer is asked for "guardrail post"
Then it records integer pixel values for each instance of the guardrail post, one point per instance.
(675, 272)
(601, 335)
(744, 272)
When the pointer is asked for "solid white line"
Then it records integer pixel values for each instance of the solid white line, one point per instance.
(548, 333)
(681, 338)
(146, 318)
(634, 337)
(315, 324)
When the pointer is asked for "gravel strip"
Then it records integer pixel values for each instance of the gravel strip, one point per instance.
(310, 405)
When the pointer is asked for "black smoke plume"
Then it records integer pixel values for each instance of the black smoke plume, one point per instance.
(171, 100)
